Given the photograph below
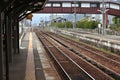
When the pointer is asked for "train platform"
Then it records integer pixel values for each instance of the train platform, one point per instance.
(111, 38)
(108, 42)
(32, 63)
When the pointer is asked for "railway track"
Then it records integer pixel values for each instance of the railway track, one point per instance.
(76, 73)
(74, 67)
(107, 62)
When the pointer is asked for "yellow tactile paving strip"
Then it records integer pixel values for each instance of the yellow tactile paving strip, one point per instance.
(30, 68)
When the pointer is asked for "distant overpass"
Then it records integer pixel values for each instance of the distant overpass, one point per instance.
(82, 6)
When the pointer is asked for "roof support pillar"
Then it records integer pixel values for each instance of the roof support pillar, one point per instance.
(1, 48)
(10, 38)
(16, 36)
(7, 47)
(17, 32)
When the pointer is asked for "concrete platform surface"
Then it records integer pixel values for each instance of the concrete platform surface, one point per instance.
(32, 63)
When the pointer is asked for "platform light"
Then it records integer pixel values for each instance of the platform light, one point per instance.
(30, 16)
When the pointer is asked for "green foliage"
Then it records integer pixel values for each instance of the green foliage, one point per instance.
(116, 21)
(115, 27)
(69, 24)
(53, 24)
(87, 24)
(62, 24)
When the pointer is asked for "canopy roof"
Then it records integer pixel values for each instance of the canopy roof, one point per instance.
(21, 7)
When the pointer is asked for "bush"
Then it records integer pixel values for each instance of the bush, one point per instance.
(62, 24)
(117, 21)
(87, 24)
(115, 27)
(69, 24)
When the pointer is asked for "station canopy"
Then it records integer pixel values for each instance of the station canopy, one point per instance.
(21, 8)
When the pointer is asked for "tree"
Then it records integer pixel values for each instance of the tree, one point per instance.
(69, 24)
(87, 24)
(116, 20)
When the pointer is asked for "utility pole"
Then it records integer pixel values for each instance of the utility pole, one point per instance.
(104, 17)
(103, 11)
(74, 23)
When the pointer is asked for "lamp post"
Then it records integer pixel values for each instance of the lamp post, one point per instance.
(103, 17)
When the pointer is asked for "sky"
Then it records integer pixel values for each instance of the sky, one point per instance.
(38, 17)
